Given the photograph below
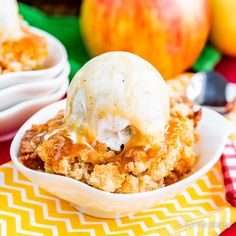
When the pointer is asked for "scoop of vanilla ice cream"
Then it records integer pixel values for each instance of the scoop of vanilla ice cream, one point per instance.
(116, 96)
(10, 23)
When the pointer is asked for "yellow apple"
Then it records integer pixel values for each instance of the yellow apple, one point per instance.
(223, 31)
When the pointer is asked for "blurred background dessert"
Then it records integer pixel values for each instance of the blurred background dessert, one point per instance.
(20, 48)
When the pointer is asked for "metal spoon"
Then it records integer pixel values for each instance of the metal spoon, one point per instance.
(213, 90)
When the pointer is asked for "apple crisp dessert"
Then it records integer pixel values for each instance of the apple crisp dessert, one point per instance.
(24, 54)
(47, 148)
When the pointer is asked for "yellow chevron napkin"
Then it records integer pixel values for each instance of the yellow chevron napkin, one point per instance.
(26, 209)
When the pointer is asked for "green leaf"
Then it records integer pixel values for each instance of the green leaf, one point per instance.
(208, 59)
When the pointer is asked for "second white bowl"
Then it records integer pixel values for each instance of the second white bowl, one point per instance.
(12, 118)
(23, 92)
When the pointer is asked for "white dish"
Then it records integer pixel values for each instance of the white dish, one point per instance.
(213, 129)
(12, 118)
(56, 60)
(23, 92)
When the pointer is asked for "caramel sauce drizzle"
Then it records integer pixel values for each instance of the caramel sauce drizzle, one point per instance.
(137, 143)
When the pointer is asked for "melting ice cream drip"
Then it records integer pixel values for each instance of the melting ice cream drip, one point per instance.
(114, 132)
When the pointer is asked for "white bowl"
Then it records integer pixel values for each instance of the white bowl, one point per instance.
(23, 92)
(56, 60)
(12, 118)
(213, 129)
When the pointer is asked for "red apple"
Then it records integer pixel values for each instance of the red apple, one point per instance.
(168, 33)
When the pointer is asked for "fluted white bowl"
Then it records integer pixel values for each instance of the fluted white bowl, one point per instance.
(213, 130)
